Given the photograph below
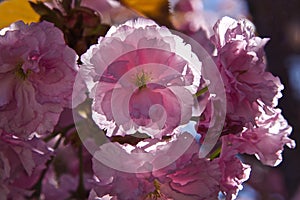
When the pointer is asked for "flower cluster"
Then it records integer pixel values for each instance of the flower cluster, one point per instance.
(144, 112)
(37, 75)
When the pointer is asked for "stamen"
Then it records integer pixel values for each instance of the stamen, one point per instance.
(142, 79)
(156, 194)
(20, 72)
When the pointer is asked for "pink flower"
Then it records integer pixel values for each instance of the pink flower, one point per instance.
(61, 178)
(240, 57)
(188, 177)
(234, 173)
(142, 78)
(197, 179)
(63, 185)
(111, 12)
(37, 72)
(265, 140)
(58, 187)
(22, 163)
(208, 124)
(188, 15)
(188, 18)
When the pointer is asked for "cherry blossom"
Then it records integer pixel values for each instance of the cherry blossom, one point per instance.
(234, 173)
(37, 72)
(241, 63)
(188, 177)
(22, 163)
(142, 78)
(265, 140)
(143, 115)
(188, 17)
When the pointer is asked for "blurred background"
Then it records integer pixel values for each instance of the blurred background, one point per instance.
(280, 21)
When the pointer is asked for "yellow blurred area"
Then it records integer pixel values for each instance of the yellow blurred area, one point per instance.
(14, 10)
(146, 6)
(157, 10)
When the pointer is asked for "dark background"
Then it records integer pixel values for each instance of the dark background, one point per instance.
(280, 21)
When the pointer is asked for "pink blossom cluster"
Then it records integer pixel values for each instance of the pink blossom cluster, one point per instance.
(252, 94)
(22, 163)
(189, 177)
(142, 108)
(37, 75)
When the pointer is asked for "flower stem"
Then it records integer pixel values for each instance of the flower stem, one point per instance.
(80, 192)
(63, 131)
(216, 153)
(38, 186)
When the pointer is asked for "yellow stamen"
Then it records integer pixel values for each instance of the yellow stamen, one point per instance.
(156, 194)
(142, 79)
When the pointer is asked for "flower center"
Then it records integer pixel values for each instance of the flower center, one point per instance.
(141, 79)
(20, 73)
(156, 194)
